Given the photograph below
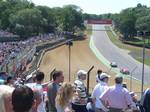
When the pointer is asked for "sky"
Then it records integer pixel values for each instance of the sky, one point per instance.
(94, 6)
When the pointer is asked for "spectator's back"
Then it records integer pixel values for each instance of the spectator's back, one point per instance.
(146, 100)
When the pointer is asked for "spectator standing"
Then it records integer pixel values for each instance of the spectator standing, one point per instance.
(5, 98)
(145, 101)
(53, 87)
(37, 87)
(63, 98)
(98, 90)
(118, 98)
(80, 101)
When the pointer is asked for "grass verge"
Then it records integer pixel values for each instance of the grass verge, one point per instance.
(146, 61)
(130, 48)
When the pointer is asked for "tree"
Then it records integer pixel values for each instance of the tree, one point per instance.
(71, 18)
(143, 23)
(9, 7)
(125, 22)
(26, 22)
(48, 17)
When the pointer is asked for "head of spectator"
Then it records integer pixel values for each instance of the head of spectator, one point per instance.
(9, 81)
(22, 99)
(58, 76)
(118, 79)
(64, 95)
(5, 98)
(104, 77)
(39, 77)
(81, 74)
(124, 85)
(133, 96)
(99, 71)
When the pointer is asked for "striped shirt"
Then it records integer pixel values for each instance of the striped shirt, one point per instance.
(81, 89)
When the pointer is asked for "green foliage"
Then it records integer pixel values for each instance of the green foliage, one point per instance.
(130, 20)
(68, 18)
(25, 19)
(26, 22)
(143, 23)
(127, 22)
(9, 7)
(48, 18)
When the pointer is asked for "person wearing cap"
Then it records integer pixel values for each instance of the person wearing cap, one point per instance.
(135, 102)
(98, 90)
(117, 97)
(79, 102)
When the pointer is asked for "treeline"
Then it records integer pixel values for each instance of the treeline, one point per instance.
(129, 20)
(23, 18)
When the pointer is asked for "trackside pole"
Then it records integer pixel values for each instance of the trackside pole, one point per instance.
(88, 78)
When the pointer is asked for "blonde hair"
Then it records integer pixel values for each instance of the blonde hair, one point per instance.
(64, 94)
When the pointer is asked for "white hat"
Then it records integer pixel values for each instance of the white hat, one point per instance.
(104, 75)
(81, 72)
(29, 77)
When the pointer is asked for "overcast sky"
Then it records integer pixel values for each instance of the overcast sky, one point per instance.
(94, 6)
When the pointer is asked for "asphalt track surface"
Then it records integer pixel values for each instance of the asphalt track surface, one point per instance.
(114, 54)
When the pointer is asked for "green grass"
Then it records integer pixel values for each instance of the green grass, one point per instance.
(140, 42)
(121, 45)
(89, 30)
(146, 61)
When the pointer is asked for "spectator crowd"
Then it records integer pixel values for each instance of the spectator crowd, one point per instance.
(9, 50)
(5, 34)
(19, 95)
(59, 96)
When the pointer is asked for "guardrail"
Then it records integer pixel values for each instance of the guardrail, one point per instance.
(36, 63)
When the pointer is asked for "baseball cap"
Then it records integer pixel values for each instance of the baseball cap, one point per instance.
(29, 77)
(81, 72)
(104, 75)
(132, 94)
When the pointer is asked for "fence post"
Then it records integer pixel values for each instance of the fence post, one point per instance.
(88, 79)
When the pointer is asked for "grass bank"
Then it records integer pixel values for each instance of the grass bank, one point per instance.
(88, 30)
(132, 49)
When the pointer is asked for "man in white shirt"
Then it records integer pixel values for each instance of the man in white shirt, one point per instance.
(98, 90)
(116, 97)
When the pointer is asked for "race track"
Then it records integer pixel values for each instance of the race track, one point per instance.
(81, 58)
(113, 53)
